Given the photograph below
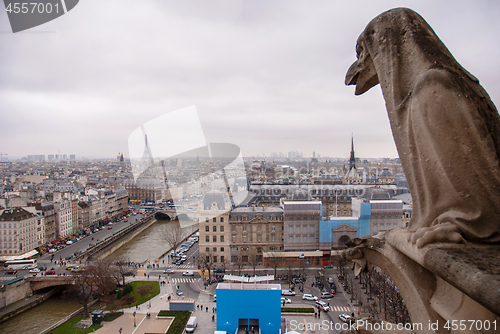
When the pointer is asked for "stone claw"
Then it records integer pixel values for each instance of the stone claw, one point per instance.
(445, 232)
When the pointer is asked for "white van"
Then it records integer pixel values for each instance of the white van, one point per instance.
(191, 324)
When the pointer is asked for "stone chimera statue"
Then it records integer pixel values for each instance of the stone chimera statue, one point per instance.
(446, 128)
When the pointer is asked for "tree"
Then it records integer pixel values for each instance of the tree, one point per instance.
(143, 289)
(173, 235)
(274, 261)
(252, 261)
(94, 281)
(207, 262)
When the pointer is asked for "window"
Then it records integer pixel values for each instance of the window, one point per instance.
(222, 259)
(304, 238)
(207, 229)
(233, 228)
(221, 238)
(215, 220)
(312, 229)
(215, 258)
(206, 220)
(297, 239)
(221, 228)
(234, 258)
(244, 258)
(207, 238)
(244, 228)
(305, 229)
(233, 249)
(244, 238)
(214, 229)
(221, 219)
(208, 258)
(259, 238)
(259, 250)
(297, 229)
(221, 249)
(215, 249)
(291, 240)
(207, 249)
(312, 238)
(291, 229)
(214, 238)
(273, 228)
(273, 237)
(234, 238)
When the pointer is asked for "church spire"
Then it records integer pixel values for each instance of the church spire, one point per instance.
(352, 159)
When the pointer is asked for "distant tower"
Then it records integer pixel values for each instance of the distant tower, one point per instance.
(352, 159)
(121, 158)
(118, 157)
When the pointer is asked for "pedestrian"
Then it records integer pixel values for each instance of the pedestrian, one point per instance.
(315, 315)
(213, 310)
(197, 307)
(201, 307)
(148, 276)
(207, 308)
(253, 331)
(213, 317)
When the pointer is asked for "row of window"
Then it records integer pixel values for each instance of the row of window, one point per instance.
(298, 238)
(233, 238)
(233, 228)
(304, 229)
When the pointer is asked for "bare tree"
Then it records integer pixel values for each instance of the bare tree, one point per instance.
(94, 281)
(207, 262)
(144, 289)
(173, 235)
(274, 261)
(252, 261)
(239, 263)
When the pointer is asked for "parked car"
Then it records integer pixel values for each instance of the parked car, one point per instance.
(169, 271)
(322, 305)
(12, 272)
(344, 317)
(307, 296)
(325, 295)
(215, 298)
(286, 300)
(43, 268)
(287, 293)
(180, 293)
(328, 266)
(50, 272)
(110, 227)
(188, 273)
(34, 270)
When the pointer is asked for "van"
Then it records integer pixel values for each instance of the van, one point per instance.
(191, 324)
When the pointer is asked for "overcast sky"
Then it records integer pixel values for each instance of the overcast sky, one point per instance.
(265, 75)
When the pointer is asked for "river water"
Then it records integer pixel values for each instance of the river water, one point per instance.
(148, 245)
(40, 317)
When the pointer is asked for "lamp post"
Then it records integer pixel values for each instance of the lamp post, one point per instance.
(134, 319)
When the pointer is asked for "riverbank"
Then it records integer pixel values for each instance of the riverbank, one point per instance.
(25, 304)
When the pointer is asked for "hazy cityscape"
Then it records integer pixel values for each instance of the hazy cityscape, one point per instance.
(249, 167)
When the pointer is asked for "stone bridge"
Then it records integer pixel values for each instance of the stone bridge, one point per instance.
(174, 214)
(38, 283)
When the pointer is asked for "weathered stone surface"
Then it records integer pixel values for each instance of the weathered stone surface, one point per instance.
(446, 128)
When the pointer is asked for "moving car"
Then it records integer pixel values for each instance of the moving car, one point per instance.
(307, 296)
(169, 271)
(50, 272)
(34, 270)
(322, 305)
(330, 280)
(325, 295)
(286, 300)
(12, 272)
(344, 317)
(179, 292)
(188, 273)
(191, 325)
(287, 293)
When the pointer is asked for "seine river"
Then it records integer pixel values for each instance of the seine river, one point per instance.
(40, 317)
(148, 245)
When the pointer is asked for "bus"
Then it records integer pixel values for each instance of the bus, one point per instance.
(21, 264)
